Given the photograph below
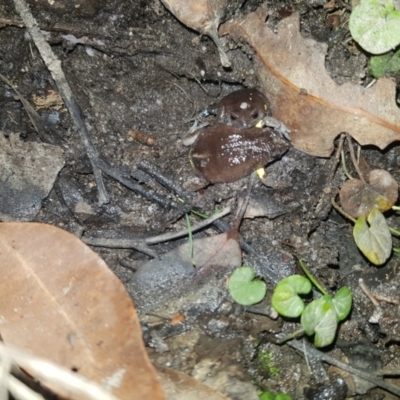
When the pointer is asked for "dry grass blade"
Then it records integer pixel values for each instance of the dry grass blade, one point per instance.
(48, 372)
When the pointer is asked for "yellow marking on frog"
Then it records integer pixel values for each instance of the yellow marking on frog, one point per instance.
(260, 171)
(259, 124)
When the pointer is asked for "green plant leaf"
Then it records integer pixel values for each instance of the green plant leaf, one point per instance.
(267, 396)
(385, 64)
(283, 396)
(244, 288)
(285, 299)
(374, 240)
(375, 25)
(342, 302)
(320, 317)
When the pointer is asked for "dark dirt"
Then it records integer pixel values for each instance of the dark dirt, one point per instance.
(151, 73)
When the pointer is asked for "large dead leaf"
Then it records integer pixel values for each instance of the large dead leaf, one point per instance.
(203, 16)
(60, 301)
(304, 97)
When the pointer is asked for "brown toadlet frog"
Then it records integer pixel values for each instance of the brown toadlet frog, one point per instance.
(243, 108)
(224, 153)
(234, 147)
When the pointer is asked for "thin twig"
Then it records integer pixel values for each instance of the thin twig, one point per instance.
(295, 344)
(368, 293)
(375, 298)
(139, 189)
(141, 245)
(165, 181)
(54, 66)
(341, 211)
(138, 245)
(353, 158)
(33, 115)
(337, 158)
(175, 235)
(344, 166)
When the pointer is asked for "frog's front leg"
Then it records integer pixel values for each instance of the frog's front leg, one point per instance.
(191, 136)
(279, 126)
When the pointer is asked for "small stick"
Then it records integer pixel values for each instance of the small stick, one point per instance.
(165, 181)
(295, 344)
(141, 245)
(174, 235)
(365, 289)
(54, 66)
(34, 117)
(337, 157)
(353, 158)
(139, 189)
(242, 207)
(142, 137)
(375, 298)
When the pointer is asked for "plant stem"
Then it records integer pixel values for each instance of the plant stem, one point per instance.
(394, 231)
(190, 234)
(313, 280)
(341, 211)
(293, 335)
(347, 173)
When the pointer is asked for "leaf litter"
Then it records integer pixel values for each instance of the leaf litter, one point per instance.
(303, 93)
(358, 198)
(304, 97)
(61, 302)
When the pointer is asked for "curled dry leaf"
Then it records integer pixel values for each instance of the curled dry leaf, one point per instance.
(358, 198)
(60, 301)
(202, 16)
(304, 97)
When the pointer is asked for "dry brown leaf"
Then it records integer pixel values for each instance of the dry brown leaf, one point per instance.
(27, 174)
(202, 16)
(304, 97)
(60, 301)
(219, 251)
(179, 386)
(358, 198)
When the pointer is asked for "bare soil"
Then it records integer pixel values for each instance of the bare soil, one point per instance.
(145, 71)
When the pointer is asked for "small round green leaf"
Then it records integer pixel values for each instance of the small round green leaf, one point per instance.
(375, 25)
(244, 289)
(267, 396)
(283, 396)
(320, 317)
(285, 299)
(375, 240)
(342, 302)
(385, 64)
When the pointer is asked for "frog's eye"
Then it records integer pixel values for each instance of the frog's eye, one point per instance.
(254, 114)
